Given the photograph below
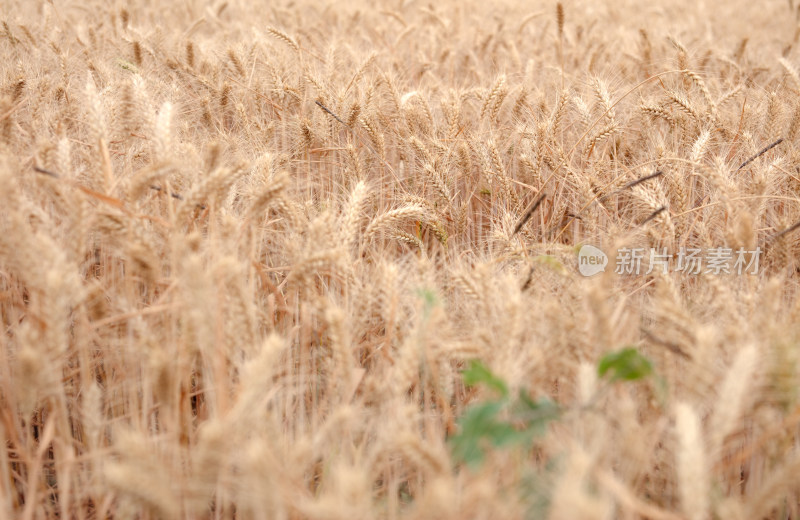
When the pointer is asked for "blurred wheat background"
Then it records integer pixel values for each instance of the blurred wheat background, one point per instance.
(247, 250)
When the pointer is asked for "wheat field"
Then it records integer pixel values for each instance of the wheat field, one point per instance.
(305, 260)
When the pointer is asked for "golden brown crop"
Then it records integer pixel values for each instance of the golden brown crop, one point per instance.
(247, 250)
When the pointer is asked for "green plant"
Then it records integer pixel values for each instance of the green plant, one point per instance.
(506, 421)
(499, 422)
(624, 365)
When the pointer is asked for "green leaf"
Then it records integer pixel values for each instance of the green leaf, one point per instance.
(500, 422)
(467, 445)
(625, 365)
(429, 296)
(481, 429)
(478, 373)
(535, 414)
(127, 65)
(429, 299)
(550, 262)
